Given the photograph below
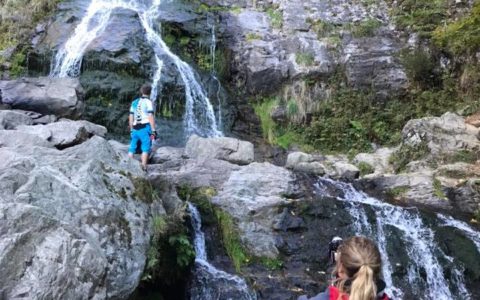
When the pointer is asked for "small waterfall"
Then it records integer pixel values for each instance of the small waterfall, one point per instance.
(471, 233)
(199, 115)
(210, 282)
(422, 250)
(213, 72)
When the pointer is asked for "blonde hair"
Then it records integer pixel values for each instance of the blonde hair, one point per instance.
(361, 261)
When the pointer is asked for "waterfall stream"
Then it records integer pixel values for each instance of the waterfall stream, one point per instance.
(424, 272)
(199, 115)
(210, 282)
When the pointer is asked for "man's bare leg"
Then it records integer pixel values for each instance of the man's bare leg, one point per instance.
(144, 160)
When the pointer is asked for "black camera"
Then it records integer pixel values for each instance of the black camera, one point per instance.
(333, 247)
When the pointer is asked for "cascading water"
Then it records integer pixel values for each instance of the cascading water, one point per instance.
(199, 115)
(213, 73)
(425, 272)
(209, 282)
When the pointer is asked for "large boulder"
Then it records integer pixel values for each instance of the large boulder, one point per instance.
(10, 119)
(443, 135)
(65, 133)
(223, 148)
(62, 97)
(336, 167)
(251, 195)
(79, 218)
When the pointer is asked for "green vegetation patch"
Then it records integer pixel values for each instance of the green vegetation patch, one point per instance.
(276, 17)
(462, 36)
(366, 28)
(407, 154)
(144, 191)
(304, 59)
(421, 16)
(365, 168)
(397, 192)
(170, 254)
(438, 189)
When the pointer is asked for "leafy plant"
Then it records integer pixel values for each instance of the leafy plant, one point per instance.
(276, 17)
(366, 28)
(408, 153)
(365, 168)
(438, 190)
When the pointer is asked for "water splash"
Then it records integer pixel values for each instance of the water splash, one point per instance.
(468, 230)
(199, 117)
(215, 283)
(421, 247)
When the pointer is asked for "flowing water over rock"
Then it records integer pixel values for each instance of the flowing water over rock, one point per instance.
(208, 281)
(423, 274)
(199, 117)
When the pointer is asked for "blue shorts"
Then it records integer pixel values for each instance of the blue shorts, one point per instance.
(144, 136)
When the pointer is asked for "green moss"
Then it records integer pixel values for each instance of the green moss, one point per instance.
(438, 189)
(231, 239)
(407, 154)
(304, 59)
(366, 28)
(467, 156)
(365, 168)
(462, 36)
(322, 28)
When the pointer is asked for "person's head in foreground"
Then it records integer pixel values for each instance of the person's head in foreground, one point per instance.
(358, 270)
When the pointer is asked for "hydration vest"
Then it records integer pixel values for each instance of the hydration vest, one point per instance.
(335, 293)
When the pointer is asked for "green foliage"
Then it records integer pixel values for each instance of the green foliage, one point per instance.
(185, 252)
(231, 239)
(421, 16)
(366, 28)
(170, 254)
(304, 58)
(365, 168)
(467, 156)
(420, 67)
(462, 36)
(292, 108)
(263, 109)
(276, 17)
(408, 153)
(18, 64)
(438, 190)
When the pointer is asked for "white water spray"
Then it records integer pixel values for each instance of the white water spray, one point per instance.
(199, 115)
(207, 291)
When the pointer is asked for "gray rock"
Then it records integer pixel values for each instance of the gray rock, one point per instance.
(223, 148)
(251, 196)
(62, 97)
(379, 160)
(443, 135)
(72, 218)
(11, 119)
(21, 139)
(65, 133)
(164, 154)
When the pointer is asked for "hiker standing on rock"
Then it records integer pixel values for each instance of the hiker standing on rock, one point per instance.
(142, 124)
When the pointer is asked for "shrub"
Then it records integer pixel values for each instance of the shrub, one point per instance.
(460, 37)
(365, 168)
(263, 109)
(420, 67)
(276, 17)
(408, 153)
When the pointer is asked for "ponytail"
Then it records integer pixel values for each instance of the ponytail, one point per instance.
(363, 285)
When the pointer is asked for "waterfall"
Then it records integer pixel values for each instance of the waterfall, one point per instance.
(422, 250)
(210, 282)
(199, 115)
(473, 235)
(213, 73)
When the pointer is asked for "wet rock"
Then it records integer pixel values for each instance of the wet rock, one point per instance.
(223, 148)
(62, 97)
(332, 166)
